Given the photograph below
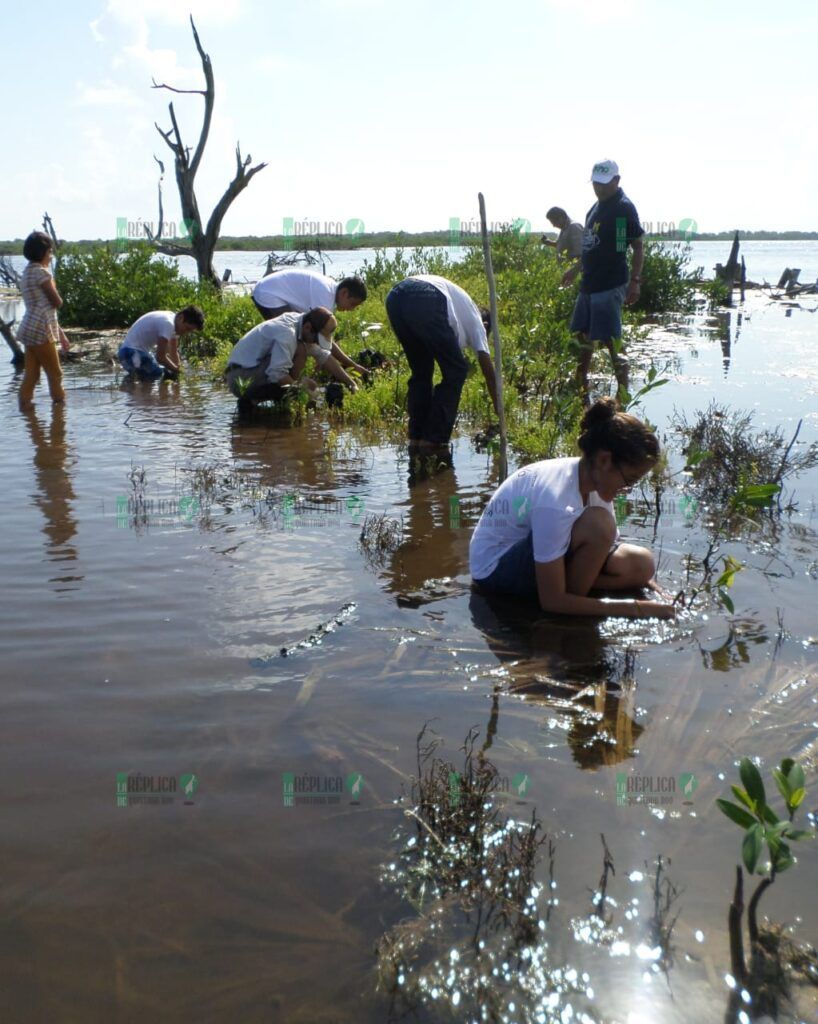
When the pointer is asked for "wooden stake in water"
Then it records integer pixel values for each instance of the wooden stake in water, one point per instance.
(498, 355)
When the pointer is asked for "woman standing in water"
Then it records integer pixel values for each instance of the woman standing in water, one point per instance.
(549, 532)
(39, 330)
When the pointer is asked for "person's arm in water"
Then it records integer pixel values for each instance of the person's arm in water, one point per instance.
(343, 359)
(287, 378)
(487, 367)
(636, 271)
(331, 365)
(167, 353)
(554, 597)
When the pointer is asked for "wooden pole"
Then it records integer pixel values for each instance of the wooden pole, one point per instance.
(495, 331)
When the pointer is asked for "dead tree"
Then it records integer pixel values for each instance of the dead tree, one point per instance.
(9, 276)
(202, 239)
(7, 332)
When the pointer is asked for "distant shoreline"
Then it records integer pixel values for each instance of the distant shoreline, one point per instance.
(408, 240)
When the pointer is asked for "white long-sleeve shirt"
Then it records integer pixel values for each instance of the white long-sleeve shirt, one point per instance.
(277, 339)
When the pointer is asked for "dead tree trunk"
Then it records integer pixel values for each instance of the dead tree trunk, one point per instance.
(7, 331)
(202, 238)
(729, 272)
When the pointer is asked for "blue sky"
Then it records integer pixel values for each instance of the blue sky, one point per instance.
(398, 114)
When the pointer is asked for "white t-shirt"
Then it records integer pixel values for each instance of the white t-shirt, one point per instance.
(542, 499)
(464, 316)
(146, 332)
(276, 339)
(303, 290)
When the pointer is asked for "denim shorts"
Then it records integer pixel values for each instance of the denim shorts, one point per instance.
(599, 314)
(135, 360)
(515, 574)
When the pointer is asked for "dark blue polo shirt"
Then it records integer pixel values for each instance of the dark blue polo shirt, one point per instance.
(610, 226)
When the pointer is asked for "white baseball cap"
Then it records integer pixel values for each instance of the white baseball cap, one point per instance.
(605, 171)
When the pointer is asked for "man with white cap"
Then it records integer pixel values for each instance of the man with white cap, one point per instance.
(611, 226)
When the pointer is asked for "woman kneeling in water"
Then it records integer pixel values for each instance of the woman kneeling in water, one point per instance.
(549, 532)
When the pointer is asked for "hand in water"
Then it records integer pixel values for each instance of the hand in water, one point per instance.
(657, 610)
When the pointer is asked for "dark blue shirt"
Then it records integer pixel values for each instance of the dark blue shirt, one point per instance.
(610, 226)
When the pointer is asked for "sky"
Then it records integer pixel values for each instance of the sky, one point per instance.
(396, 115)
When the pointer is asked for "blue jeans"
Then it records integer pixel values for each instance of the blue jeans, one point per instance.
(134, 360)
(419, 317)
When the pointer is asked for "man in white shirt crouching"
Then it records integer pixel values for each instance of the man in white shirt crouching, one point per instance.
(273, 355)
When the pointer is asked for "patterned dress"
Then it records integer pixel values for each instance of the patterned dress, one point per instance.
(39, 323)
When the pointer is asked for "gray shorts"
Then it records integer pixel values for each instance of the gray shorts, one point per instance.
(598, 315)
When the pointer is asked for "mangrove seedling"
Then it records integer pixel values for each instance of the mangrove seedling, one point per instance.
(761, 826)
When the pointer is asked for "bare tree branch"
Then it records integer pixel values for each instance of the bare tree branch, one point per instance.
(48, 227)
(237, 185)
(7, 332)
(202, 242)
(210, 95)
(170, 88)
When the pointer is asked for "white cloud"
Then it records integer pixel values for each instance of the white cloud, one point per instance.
(107, 94)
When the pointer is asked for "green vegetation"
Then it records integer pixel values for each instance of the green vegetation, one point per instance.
(104, 288)
(774, 960)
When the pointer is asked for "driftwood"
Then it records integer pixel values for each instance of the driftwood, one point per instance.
(202, 239)
(292, 259)
(7, 330)
(8, 274)
(48, 227)
(730, 271)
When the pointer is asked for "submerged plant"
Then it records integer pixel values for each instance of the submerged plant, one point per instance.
(474, 948)
(766, 977)
(735, 467)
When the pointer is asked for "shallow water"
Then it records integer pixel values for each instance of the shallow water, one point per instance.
(158, 557)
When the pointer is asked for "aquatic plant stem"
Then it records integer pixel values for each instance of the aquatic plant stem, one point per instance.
(498, 355)
(737, 965)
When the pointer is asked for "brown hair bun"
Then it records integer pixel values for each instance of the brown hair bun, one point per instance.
(605, 427)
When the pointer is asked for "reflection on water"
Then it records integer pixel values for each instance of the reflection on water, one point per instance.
(54, 496)
(567, 667)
